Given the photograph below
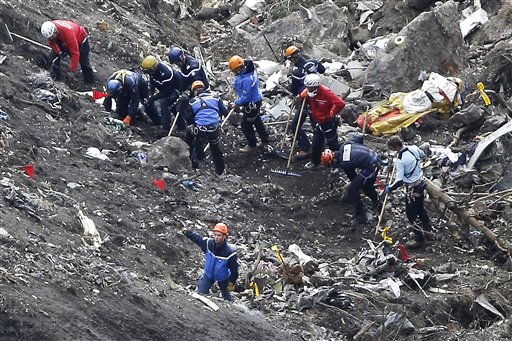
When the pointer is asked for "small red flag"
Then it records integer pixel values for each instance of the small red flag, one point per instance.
(29, 169)
(159, 183)
(98, 94)
(402, 253)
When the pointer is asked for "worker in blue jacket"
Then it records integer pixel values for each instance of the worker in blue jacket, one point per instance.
(246, 86)
(168, 83)
(190, 68)
(361, 165)
(205, 111)
(221, 264)
(127, 89)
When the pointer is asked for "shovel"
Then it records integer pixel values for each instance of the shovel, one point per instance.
(292, 149)
(384, 202)
(12, 34)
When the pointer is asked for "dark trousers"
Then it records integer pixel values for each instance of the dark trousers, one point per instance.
(324, 132)
(367, 185)
(414, 208)
(303, 142)
(251, 120)
(165, 116)
(205, 283)
(85, 64)
(197, 137)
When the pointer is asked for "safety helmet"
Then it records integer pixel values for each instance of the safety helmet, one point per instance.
(312, 80)
(175, 55)
(197, 84)
(327, 157)
(114, 87)
(149, 63)
(290, 51)
(48, 28)
(235, 62)
(221, 227)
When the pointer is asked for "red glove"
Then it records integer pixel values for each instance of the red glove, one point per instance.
(127, 120)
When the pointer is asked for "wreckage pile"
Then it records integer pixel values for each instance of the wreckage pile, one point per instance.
(89, 247)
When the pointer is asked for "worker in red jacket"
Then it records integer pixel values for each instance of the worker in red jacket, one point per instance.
(325, 107)
(65, 36)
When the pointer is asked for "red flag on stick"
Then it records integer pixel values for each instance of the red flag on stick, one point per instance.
(98, 94)
(29, 169)
(160, 184)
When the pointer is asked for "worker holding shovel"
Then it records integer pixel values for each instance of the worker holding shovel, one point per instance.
(361, 165)
(66, 36)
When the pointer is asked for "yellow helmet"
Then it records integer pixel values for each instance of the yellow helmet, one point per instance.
(235, 62)
(149, 63)
(197, 84)
(290, 51)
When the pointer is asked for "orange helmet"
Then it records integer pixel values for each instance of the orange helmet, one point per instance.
(235, 62)
(197, 84)
(327, 157)
(221, 227)
(290, 51)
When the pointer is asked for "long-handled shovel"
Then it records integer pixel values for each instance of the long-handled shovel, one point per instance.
(12, 34)
(384, 202)
(221, 126)
(174, 123)
(292, 149)
(279, 152)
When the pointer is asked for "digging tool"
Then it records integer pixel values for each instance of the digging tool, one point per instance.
(174, 123)
(270, 46)
(384, 202)
(280, 152)
(292, 149)
(221, 125)
(12, 34)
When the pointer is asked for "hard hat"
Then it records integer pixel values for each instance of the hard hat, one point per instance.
(290, 51)
(221, 227)
(175, 55)
(327, 157)
(312, 80)
(235, 62)
(114, 87)
(149, 63)
(197, 84)
(48, 28)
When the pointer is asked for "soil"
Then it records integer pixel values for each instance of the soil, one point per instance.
(53, 287)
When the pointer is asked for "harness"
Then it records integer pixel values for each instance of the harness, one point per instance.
(120, 76)
(408, 174)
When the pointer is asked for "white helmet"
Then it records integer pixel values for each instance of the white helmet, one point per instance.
(312, 80)
(48, 28)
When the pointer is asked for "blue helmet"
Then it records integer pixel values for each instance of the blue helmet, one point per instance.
(114, 87)
(175, 54)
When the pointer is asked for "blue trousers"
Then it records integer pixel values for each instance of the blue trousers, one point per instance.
(205, 283)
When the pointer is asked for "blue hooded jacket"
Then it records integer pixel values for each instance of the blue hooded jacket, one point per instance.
(247, 85)
(220, 261)
(207, 109)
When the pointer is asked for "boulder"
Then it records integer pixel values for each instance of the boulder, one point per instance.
(171, 153)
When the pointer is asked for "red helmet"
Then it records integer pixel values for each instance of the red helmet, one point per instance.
(221, 227)
(327, 157)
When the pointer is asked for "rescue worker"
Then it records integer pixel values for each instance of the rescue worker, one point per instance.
(246, 86)
(190, 68)
(221, 264)
(325, 107)
(409, 172)
(301, 66)
(167, 81)
(127, 89)
(66, 36)
(361, 165)
(206, 111)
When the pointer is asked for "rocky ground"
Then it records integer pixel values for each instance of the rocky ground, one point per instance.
(136, 285)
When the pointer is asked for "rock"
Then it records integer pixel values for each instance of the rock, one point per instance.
(170, 152)
(493, 123)
(467, 116)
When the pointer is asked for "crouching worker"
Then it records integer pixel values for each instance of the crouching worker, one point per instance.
(221, 264)
(206, 111)
(127, 89)
(361, 165)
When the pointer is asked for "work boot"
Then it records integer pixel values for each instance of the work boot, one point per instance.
(303, 154)
(311, 166)
(247, 149)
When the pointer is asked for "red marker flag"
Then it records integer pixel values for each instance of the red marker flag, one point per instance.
(98, 94)
(29, 169)
(160, 184)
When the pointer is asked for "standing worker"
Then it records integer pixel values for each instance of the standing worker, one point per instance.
(66, 36)
(168, 83)
(206, 111)
(361, 165)
(409, 172)
(127, 89)
(246, 85)
(221, 264)
(301, 66)
(190, 68)
(325, 107)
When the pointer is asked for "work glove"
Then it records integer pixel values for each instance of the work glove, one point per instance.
(127, 120)
(231, 286)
